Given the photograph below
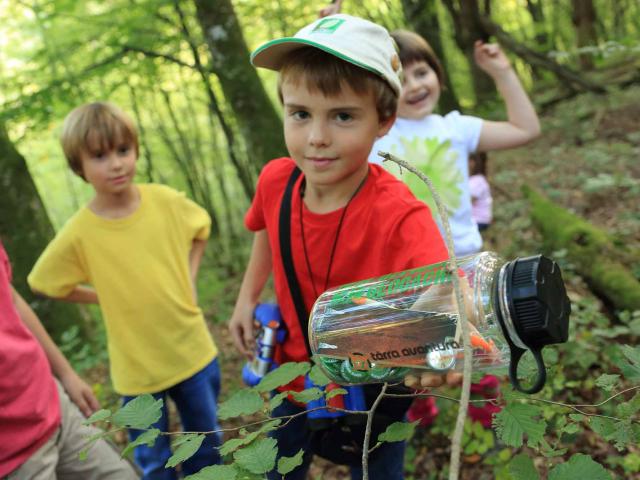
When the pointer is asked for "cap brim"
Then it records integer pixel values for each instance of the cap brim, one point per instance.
(272, 54)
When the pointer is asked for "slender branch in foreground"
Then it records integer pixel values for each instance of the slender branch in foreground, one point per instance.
(576, 408)
(367, 433)
(456, 442)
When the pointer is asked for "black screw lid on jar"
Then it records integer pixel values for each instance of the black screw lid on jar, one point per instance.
(533, 309)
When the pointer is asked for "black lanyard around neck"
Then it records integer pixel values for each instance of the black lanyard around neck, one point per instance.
(284, 234)
(335, 238)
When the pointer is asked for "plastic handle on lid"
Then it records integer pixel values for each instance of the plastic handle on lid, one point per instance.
(541, 378)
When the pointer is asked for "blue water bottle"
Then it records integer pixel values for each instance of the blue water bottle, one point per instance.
(272, 332)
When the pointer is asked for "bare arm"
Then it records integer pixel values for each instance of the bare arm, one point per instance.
(79, 392)
(331, 9)
(255, 277)
(79, 294)
(522, 123)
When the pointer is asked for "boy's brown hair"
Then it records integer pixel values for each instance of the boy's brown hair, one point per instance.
(328, 74)
(93, 128)
(413, 48)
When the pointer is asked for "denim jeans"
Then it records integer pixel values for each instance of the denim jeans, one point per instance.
(196, 399)
(388, 463)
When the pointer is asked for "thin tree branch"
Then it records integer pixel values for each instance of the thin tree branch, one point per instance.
(456, 441)
(367, 433)
(153, 54)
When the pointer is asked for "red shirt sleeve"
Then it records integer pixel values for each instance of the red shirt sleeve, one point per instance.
(254, 220)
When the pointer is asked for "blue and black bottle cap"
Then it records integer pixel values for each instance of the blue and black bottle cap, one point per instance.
(533, 309)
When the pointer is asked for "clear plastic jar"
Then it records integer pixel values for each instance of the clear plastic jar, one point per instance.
(381, 329)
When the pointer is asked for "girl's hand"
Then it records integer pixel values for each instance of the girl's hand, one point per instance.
(80, 393)
(490, 58)
(433, 380)
(330, 9)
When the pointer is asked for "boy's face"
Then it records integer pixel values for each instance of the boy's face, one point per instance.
(110, 172)
(330, 137)
(420, 91)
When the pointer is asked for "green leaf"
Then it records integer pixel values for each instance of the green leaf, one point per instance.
(259, 457)
(188, 445)
(245, 475)
(571, 428)
(607, 382)
(521, 467)
(623, 435)
(515, 420)
(277, 399)
(318, 377)
(232, 445)
(147, 438)
(398, 432)
(335, 392)
(90, 441)
(308, 395)
(215, 472)
(235, 443)
(630, 408)
(268, 426)
(288, 464)
(282, 375)
(97, 416)
(579, 466)
(631, 371)
(602, 426)
(242, 402)
(141, 412)
(634, 326)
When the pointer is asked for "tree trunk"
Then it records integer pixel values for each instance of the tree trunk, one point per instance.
(423, 18)
(584, 19)
(468, 28)
(537, 15)
(25, 231)
(589, 249)
(142, 136)
(240, 164)
(257, 118)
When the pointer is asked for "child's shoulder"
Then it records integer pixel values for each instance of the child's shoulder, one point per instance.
(392, 195)
(275, 173)
(157, 190)
(161, 196)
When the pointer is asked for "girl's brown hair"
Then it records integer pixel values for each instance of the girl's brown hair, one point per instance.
(413, 48)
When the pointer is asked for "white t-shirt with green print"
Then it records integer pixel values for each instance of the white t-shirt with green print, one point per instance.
(440, 147)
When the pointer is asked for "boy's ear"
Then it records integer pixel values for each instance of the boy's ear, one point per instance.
(386, 125)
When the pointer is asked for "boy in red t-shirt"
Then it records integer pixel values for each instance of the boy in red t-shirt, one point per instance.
(349, 220)
(42, 431)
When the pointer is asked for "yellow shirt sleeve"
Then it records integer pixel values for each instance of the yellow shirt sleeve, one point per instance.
(196, 219)
(59, 269)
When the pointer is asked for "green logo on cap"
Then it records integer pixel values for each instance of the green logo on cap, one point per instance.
(328, 25)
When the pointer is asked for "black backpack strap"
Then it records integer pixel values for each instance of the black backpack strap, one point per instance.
(287, 258)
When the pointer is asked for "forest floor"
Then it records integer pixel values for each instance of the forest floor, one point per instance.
(587, 160)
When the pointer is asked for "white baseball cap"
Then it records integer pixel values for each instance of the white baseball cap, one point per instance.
(351, 39)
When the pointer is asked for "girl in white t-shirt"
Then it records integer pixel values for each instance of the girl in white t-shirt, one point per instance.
(440, 145)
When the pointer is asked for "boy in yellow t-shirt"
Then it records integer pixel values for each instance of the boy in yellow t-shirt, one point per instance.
(139, 248)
